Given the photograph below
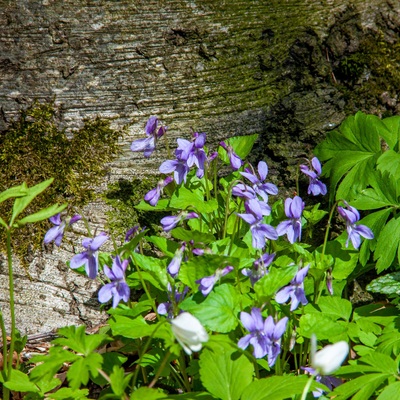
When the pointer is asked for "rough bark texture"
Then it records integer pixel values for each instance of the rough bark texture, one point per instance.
(223, 67)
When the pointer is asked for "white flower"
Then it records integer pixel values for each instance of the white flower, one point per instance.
(189, 332)
(330, 358)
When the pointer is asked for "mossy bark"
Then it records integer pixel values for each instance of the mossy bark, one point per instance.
(289, 70)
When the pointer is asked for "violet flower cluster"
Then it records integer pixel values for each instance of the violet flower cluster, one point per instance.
(315, 187)
(265, 336)
(292, 226)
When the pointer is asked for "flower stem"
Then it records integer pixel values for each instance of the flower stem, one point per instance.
(6, 392)
(160, 369)
(307, 387)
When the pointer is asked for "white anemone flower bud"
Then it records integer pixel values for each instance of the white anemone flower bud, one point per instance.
(330, 358)
(189, 332)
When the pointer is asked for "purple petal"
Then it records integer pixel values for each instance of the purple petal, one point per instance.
(251, 177)
(244, 342)
(259, 347)
(364, 231)
(283, 295)
(151, 125)
(98, 241)
(55, 219)
(296, 207)
(257, 318)
(269, 231)
(316, 165)
(168, 166)
(74, 219)
(282, 228)
(143, 144)
(280, 328)
(53, 233)
(105, 293)
(248, 321)
(79, 260)
(299, 278)
(91, 267)
(249, 218)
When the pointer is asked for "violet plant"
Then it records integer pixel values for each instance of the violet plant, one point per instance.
(229, 301)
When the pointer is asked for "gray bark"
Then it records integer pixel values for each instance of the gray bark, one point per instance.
(222, 67)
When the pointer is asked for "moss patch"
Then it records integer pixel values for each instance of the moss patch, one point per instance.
(34, 148)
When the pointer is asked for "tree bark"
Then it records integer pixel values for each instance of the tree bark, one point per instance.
(221, 67)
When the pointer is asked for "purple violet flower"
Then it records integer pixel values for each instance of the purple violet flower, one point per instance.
(265, 336)
(179, 167)
(153, 195)
(56, 232)
(89, 257)
(148, 144)
(170, 222)
(197, 155)
(254, 217)
(207, 283)
(175, 264)
(131, 233)
(316, 187)
(351, 216)
(174, 298)
(259, 186)
(292, 227)
(260, 268)
(295, 290)
(234, 159)
(243, 191)
(329, 381)
(117, 288)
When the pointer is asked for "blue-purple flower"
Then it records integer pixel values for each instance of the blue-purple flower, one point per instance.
(117, 289)
(295, 290)
(174, 298)
(207, 283)
(260, 268)
(351, 216)
(153, 195)
(170, 222)
(265, 336)
(329, 381)
(261, 187)
(197, 156)
(175, 264)
(148, 144)
(316, 187)
(56, 232)
(254, 217)
(235, 161)
(179, 167)
(89, 257)
(292, 226)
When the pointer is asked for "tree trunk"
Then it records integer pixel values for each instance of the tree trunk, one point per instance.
(289, 71)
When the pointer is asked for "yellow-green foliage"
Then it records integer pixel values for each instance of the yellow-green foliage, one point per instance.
(35, 148)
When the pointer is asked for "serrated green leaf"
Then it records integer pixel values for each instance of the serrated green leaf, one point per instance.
(388, 245)
(392, 132)
(156, 267)
(335, 307)
(389, 162)
(323, 326)
(130, 328)
(68, 393)
(277, 278)
(41, 215)
(276, 388)
(218, 311)
(145, 393)
(224, 371)
(389, 342)
(79, 372)
(390, 392)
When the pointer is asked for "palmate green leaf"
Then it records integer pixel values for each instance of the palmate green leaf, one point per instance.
(388, 245)
(225, 371)
(277, 388)
(336, 307)
(352, 152)
(79, 372)
(218, 311)
(389, 162)
(42, 215)
(241, 145)
(277, 278)
(111, 360)
(392, 133)
(21, 203)
(389, 342)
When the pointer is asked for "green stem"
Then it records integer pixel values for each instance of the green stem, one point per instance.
(307, 387)
(182, 366)
(12, 302)
(160, 369)
(6, 392)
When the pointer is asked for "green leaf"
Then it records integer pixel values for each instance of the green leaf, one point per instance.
(16, 191)
(68, 394)
(336, 307)
(314, 215)
(277, 278)
(388, 245)
(389, 342)
(218, 311)
(392, 133)
(80, 371)
(389, 161)
(168, 247)
(111, 361)
(184, 198)
(196, 236)
(224, 371)
(154, 266)
(119, 380)
(41, 215)
(241, 145)
(20, 382)
(276, 388)
(387, 284)
(162, 205)
(130, 328)
(22, 202)
(390, 392)
(145, 393)
(321, 325)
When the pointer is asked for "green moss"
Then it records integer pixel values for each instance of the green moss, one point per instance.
(35, 148)
(122, 196)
